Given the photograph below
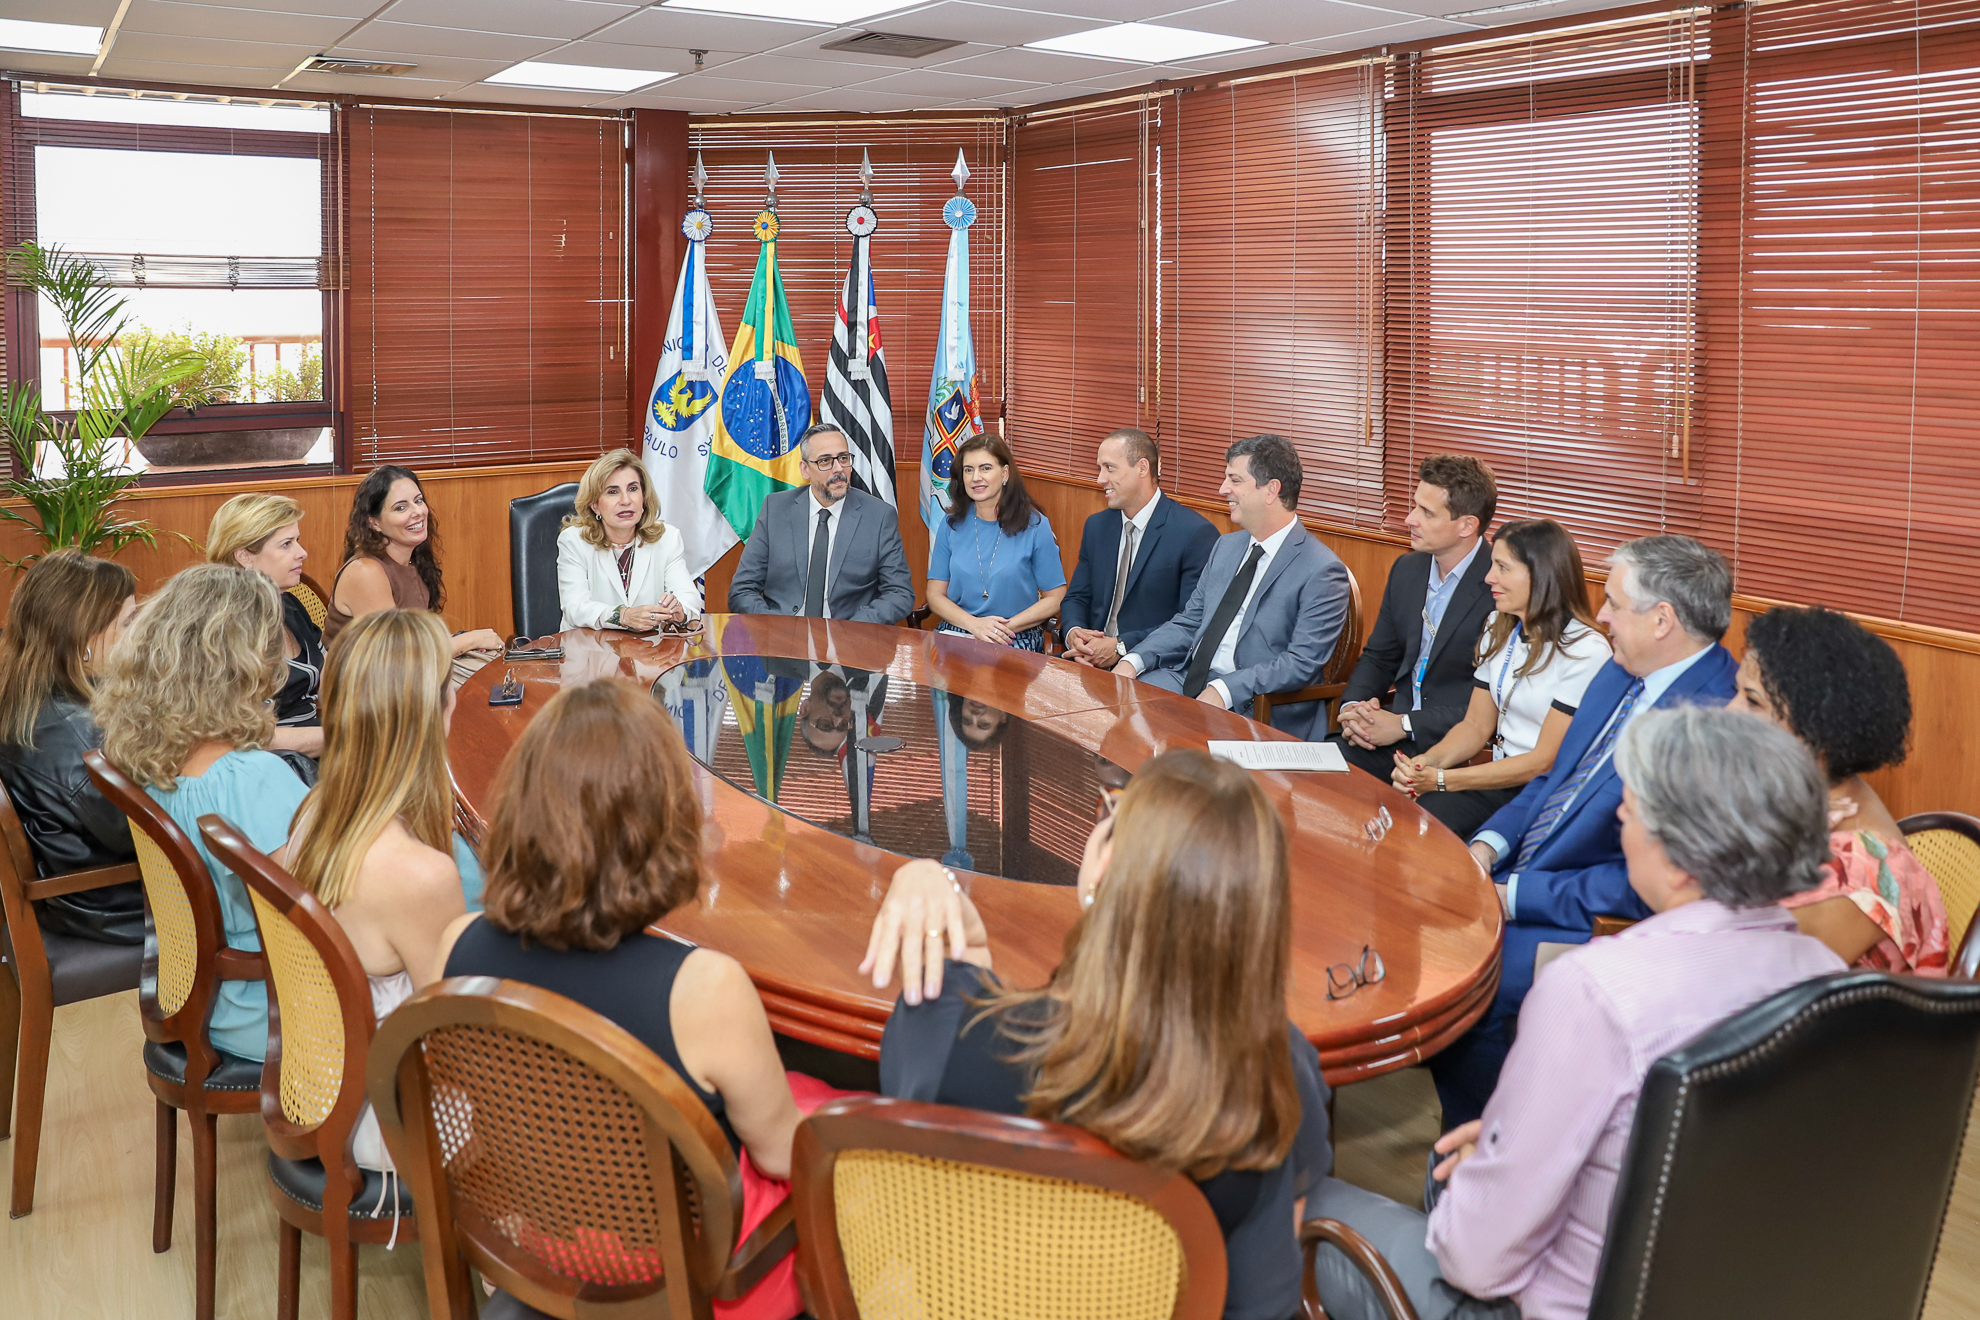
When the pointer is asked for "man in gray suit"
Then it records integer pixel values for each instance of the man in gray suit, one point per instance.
(825, 550)
(1269, 606)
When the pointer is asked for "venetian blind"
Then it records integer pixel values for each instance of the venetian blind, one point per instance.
(1270, 259)
(1078, 275)
(818, 167)
(487, 306)
(1844, 431)
(1542, 225)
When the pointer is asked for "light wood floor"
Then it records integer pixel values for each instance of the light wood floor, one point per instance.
(85, 1252)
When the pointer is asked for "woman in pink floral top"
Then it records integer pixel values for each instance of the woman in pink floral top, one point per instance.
(1842, 690)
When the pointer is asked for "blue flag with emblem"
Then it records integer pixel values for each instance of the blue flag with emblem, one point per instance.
(953, 415)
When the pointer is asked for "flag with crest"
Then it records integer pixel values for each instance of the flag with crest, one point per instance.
(953, 414)
(856, 398)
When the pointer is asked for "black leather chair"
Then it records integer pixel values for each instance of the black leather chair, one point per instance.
(534, 521)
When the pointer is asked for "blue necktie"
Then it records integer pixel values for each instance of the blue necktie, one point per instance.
(1591, 761)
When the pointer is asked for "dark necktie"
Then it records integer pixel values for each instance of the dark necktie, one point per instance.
(821, 551)
(1198, 676)
(1562, 797)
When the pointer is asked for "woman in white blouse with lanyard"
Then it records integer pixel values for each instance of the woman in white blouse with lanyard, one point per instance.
(1535, 660)
(618, 565)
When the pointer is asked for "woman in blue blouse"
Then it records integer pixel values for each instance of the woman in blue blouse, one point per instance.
(996, 576)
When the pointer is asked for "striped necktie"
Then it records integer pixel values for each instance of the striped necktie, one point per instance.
(1591, 761)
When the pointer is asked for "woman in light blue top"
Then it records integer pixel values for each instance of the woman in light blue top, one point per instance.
(187, 709)
(995, 576)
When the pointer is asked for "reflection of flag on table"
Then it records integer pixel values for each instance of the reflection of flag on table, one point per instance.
(680, 416)
(766, 707)
(766, 404)
(955, 782)
(695, 695)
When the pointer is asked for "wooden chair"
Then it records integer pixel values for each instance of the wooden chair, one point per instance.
(185, 959)
(558, 1155)
(905, 1207)
(1947, 844)
(312, 1089)
(315, 601)
(44, 970)
(1333, 679)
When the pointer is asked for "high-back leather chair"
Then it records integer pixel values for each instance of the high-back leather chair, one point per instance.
(185, 959)
(312, 1089)
(905, 1208)
(560, 1157)
(43, 970)
(534, 521)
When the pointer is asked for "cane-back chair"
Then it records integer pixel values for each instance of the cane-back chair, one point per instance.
(1333, 678)
(312, 1089)
(1947, 844)
(185, 959)
(314, 602)
(906, 1208)
(43, 970)
(558, 1155)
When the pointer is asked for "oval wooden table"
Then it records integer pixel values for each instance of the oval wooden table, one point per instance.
(793, 902)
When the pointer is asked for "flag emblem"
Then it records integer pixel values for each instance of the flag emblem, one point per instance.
(679, 401)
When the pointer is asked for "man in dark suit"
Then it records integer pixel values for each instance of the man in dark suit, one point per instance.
(825, 550)
(1139, 558)
(1433, 608)
(1269, 606)
(1555, 851)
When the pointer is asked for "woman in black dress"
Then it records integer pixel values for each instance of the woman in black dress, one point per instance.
(264, 533)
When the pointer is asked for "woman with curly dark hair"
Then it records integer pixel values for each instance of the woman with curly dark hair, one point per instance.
(1842, 690)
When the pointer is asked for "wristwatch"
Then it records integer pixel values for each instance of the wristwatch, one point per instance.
(1407, 731)
(1440, 781)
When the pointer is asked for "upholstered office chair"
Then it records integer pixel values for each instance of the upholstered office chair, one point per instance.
(905, 1208)
(1947, 844)
(560, 1157)
(44, 970)
(534, 521)
(1840, 1101)
(1333, 678)
(185, 959)
(312, 1089)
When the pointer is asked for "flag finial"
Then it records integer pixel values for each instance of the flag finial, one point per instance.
(770, 177)
(699, 178)
(961, 172)
(865, 177)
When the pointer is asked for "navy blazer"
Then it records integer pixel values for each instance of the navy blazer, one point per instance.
(1163, 577)
(1578, 872)
(1388, 659)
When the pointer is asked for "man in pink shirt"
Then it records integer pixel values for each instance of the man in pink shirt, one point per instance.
(1722, 817)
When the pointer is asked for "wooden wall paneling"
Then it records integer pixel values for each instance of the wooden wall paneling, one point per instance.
(660, 165)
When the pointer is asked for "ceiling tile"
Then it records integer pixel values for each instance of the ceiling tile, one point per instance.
(526, 96)
(409, 87)
(728, 89)
(802, 73)
(608, 56)
(1415, 30)
(96, 13)
(951, 86)
(852, 99)
(1039, 66)
(446, 41)
(527, 18)
(1040, 95)
(348, 9)
(660, 99)
(1565, 8)
(435, 68)
(164, 71)
(188, 20)
(994, 25)
(207, 50)
(1120, 11)
(1132, 77)
(688, 31)
(1273, 20)
(56, 66)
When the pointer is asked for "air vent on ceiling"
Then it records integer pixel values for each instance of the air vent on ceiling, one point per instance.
(891, 43)
(346, 64)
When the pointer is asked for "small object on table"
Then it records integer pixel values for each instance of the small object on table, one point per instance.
(520, 649)
(1279, 755)
(508, 692)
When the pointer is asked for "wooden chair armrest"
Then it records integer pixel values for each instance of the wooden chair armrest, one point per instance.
(774, 1239)
(1262, 704)
(919, 615)
(1609, 926)
(1362, 1253)
(233, 964)
(76, 882)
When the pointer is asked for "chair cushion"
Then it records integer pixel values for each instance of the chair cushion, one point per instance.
(84, 969)
(167, 1059)
(302, 1182)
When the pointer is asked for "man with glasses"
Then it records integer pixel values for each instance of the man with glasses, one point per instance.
(825, 550)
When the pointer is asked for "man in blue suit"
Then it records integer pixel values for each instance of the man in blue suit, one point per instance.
(1269, 607)
(1555, 851)
(1139, 558)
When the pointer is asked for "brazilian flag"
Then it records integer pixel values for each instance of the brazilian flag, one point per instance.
(766, 405)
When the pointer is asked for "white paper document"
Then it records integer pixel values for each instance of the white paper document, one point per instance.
(1281, 755)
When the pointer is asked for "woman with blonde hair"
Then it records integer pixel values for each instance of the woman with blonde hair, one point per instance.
(1163, 1030)
(264, 533)
(66, 615)
(618, 565)
(186, 708)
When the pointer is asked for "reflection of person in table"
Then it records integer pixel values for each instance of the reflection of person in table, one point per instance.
(979, 726)
(825, 714)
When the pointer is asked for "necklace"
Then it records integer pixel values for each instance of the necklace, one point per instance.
(996, 544)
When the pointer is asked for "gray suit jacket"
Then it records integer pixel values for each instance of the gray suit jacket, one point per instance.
(1284, 637)
(866, 582)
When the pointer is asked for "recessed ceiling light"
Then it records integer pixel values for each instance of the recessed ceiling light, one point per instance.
(1144, 43)
(575, 77)
(821, 13)
(49, 38)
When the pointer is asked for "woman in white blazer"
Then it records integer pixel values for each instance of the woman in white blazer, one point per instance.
(618, 565)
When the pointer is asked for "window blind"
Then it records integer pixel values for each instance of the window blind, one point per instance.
(1270, 283)
(1078, 283)
(486, 317)
(818, 167)
(1542, 225)
(1844, 298)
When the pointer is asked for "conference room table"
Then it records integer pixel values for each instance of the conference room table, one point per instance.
(793, 885)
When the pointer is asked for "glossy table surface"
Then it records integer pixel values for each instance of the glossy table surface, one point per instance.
(792, 897)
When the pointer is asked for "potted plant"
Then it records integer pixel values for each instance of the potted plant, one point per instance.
(124, 392)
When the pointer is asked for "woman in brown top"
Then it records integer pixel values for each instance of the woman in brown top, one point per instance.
(389, 560)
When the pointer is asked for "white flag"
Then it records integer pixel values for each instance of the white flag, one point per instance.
(680, 417)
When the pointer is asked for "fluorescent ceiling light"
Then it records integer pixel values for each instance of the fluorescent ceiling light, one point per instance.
(49, 38)
(820, 13)
(1144, 43)
(576, 77)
